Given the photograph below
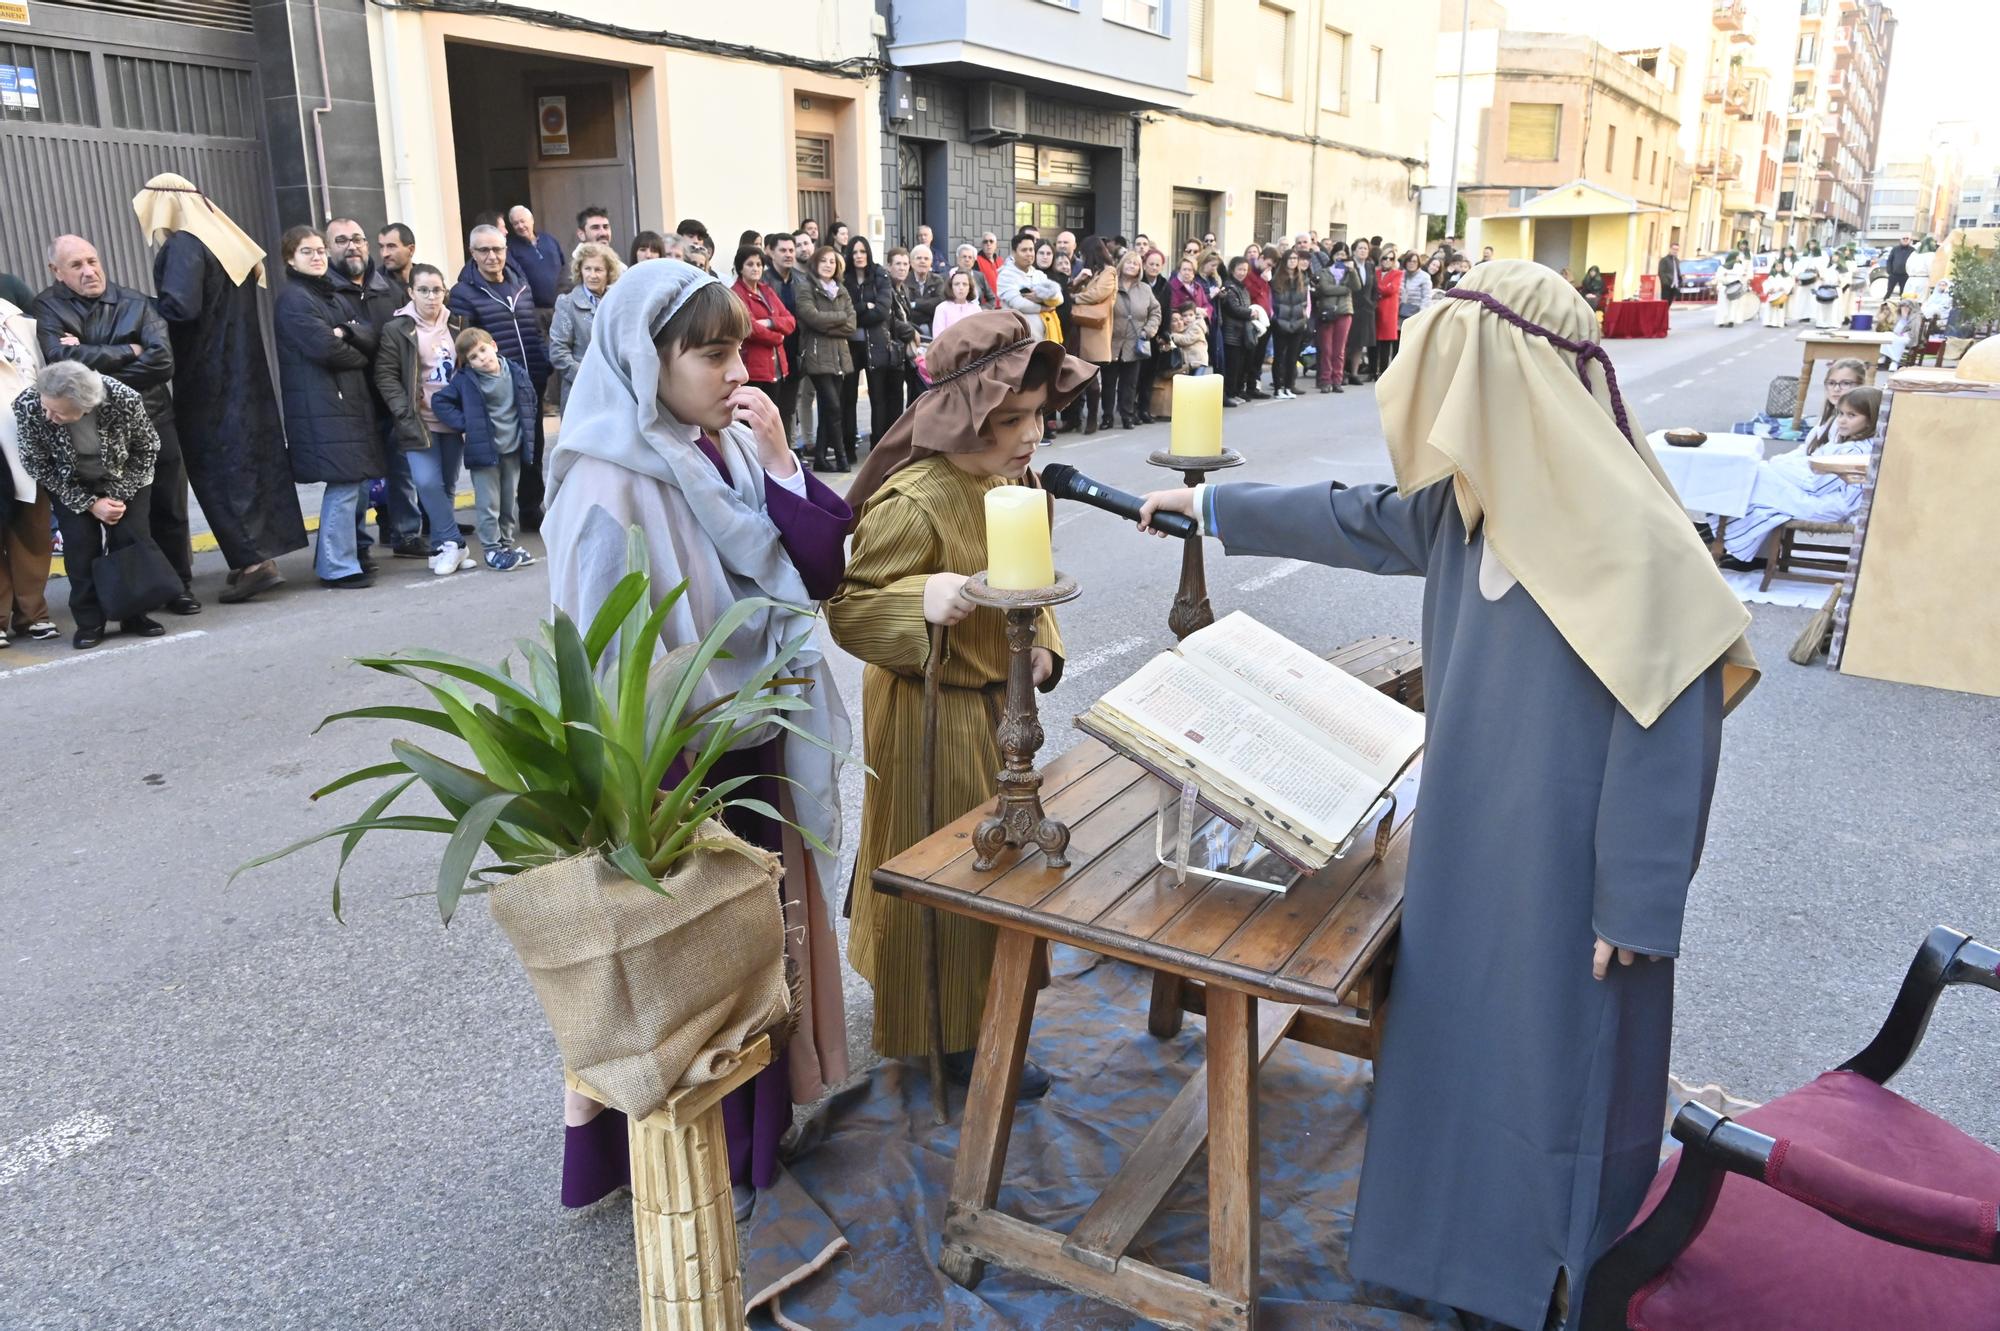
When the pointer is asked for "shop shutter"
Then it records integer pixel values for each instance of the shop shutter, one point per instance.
(228, 15)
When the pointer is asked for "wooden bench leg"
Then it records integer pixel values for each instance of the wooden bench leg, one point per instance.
(989, 1103)
(1232, 1147)
(1163, 1018)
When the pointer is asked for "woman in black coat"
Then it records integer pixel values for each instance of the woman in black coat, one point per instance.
(329, 405)
(1361, 333)
(1235, 305)
(872, 347)
(1160, 362)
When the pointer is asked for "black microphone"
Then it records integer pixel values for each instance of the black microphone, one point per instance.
(1066, 482)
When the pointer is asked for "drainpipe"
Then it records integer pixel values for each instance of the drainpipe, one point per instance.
(399, 149)
(319, 128)
(1458, 121)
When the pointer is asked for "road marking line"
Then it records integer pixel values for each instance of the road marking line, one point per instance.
(1278, 574)
(72, 1136)
(104, 653)
(1683, 383)
(1090, 660)
(1651, 397)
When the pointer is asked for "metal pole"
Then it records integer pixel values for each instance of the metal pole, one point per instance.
(1458, 122)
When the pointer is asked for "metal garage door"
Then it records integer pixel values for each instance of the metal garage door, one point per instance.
(115, 100)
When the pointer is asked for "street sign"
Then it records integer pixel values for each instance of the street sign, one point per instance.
(553, 116)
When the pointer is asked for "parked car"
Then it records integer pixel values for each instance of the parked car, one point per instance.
(1698, 277)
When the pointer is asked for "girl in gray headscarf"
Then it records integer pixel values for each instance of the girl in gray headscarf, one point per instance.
(663, 431)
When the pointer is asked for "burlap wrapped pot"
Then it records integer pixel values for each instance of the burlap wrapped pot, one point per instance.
(645, 992)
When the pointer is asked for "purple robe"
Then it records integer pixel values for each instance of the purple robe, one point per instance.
(813, 529)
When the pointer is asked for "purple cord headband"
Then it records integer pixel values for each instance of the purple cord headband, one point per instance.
(1585, 352)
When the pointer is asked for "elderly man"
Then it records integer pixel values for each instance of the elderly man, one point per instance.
(926, 288)
(496, 297)
(924, 236)
(989, 262)
(982, 289)
(537, 256)
(209, 276)
(118, 332)
(87, 440)
(1066, 245)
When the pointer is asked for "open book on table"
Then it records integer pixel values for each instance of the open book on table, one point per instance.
(1271, 736)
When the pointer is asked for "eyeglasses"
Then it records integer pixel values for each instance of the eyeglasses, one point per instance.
(427, 291)
(1843, 383)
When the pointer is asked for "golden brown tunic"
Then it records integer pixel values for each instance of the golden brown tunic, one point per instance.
(928, 518)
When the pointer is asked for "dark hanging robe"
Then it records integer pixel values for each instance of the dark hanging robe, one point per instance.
(232, 434)
(1518, 1102)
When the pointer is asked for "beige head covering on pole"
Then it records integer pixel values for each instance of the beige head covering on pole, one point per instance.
(1573, 501)
(171, 203)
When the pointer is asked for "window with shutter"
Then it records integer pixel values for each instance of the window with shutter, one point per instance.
(1198, 34)
(1271, 38)
(1534, 131)
(1333, 71)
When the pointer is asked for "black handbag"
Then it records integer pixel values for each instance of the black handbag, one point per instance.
(135, 578)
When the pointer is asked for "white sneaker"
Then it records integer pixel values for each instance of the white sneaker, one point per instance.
(467, 561)
(447, 559)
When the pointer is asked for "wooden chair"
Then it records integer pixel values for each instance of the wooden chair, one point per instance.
(1807, 561)
(1840, 1206)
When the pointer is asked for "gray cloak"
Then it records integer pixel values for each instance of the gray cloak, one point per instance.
(1518, 1102)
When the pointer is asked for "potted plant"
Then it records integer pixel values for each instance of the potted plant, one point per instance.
(652, 934)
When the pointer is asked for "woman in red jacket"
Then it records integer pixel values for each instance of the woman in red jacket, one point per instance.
(770, 323)
(1388, 330)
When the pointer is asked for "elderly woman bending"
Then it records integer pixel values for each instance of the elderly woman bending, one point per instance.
(86, 439)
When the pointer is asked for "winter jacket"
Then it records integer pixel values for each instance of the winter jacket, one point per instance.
(127, 442)
(1028, 292)
(989, 269)
(1096, 291)
(1334, 284)
(106, 329)
(460, 406)
(399, 379)
(1388, 304)
(569, 332)
(825, 324)
(506, 309)
(328, 400)
(925, 294)
(1189, 294)
(873, 294)
(764, 349)
(1259, 288)
(1416, 292)
(383, 294)
(1193, 341)
(788, 297)
(1290, 307)
(1135, 316)
(541, 261)
(1235, 303)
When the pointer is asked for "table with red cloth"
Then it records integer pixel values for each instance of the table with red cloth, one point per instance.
(1636, 318)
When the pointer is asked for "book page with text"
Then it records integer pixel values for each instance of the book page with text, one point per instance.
(1371, 729)
(1301, 781)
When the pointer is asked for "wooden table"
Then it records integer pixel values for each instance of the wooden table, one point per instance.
(1832, 344)
(1310, 964)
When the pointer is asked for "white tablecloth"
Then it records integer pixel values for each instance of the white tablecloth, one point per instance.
(1714, 478)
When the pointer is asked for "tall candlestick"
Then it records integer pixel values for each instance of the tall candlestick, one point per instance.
(1197, 415)
(1018, 557)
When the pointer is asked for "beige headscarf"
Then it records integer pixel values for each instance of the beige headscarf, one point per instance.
(1578, 511)
(171, 203)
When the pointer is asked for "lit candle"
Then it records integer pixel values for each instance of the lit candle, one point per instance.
(1018, 557)
(1197, 415)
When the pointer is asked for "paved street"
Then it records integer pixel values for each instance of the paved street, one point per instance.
(231, 1111)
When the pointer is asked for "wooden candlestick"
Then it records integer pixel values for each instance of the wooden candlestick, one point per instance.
(1018, 819)
(1191, 609)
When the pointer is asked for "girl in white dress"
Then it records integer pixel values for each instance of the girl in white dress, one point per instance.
(1807, 272)
(1735, 274)
(1777, 295)
(1830, 313)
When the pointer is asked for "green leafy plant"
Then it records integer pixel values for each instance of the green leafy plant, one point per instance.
(1975, 288)
(571, 756)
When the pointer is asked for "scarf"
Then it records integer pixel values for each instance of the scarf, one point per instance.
(171, 203)
(1501, 399)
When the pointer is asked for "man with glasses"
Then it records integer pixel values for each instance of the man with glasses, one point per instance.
(353, 274)
(989, 262)
(496, 297)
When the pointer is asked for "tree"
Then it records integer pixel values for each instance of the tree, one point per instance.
(1975, 288)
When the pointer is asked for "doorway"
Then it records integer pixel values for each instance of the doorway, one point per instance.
(1194, 216)
(554, 134)
(1554, 237)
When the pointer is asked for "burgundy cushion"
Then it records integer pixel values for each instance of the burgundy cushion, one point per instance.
(1767, 1261)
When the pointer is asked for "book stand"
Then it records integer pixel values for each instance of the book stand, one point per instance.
(1194, 842)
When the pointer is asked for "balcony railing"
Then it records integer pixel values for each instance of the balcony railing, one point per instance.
(1736, 97)
(1729, 14)
(1720, 166)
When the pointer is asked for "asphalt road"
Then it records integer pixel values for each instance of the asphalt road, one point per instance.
(230, 1111)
